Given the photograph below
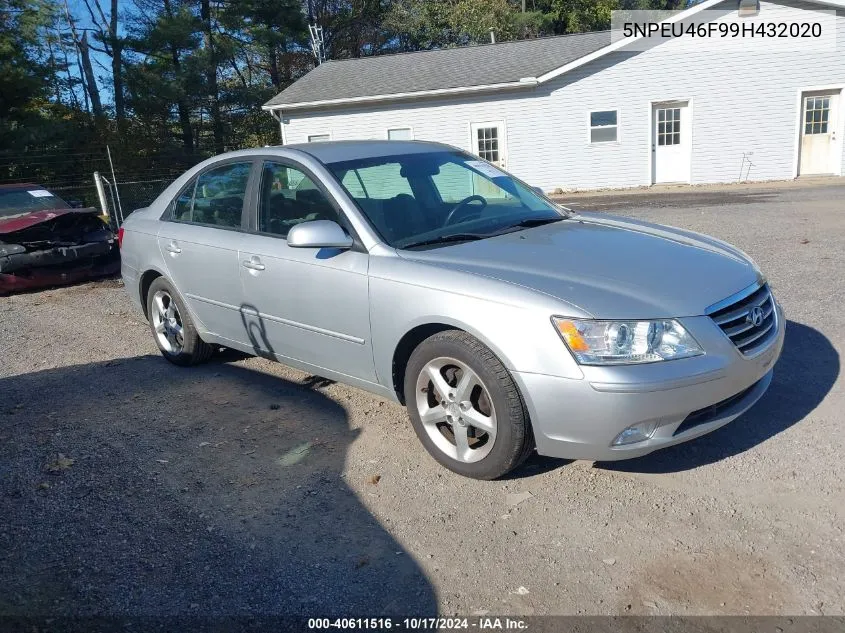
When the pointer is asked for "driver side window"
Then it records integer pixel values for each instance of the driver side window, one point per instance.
(287, 198)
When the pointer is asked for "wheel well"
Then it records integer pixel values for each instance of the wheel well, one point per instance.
(406, 347)
(146, 281)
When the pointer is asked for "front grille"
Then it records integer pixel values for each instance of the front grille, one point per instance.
(736, 321)
(708, 414)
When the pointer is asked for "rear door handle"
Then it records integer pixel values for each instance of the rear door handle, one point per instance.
(173, 247)
(253, 264)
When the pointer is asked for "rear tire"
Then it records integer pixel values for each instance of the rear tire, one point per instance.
(465, 407)
(172, 327)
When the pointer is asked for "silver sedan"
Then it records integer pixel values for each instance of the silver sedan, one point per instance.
(427, 276)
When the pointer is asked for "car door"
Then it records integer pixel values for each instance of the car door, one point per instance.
(307, 304)
(199, 243)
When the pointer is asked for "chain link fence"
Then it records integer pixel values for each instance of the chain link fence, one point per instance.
(116, 182)
(120, 199)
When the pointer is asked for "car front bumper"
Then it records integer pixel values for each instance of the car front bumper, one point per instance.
(580, 418)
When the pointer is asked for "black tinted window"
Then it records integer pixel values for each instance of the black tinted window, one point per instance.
(288, 197)
(216, 198)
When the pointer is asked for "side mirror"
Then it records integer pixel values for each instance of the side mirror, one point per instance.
(539, 190)
(319, 234)
(75, 204)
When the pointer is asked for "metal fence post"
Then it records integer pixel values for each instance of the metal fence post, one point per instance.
(114, 185)
(118, 220)
(101, 194)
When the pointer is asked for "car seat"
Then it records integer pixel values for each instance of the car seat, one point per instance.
(403, 217)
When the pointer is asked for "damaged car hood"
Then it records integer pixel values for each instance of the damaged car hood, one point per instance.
(54, 246)
(11, 224)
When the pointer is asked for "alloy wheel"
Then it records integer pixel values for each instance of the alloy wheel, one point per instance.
(456, 410)
(167, 323)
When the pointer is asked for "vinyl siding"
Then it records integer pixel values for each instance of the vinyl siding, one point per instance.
(741, 102)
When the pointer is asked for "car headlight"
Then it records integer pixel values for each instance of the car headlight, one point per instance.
(625, 342)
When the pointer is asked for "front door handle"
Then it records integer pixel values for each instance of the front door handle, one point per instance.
(173, 247)
(253, 264)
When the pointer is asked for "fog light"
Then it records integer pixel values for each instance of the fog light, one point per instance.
(639, 432)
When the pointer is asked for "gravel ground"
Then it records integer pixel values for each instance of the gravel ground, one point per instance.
(132, 487)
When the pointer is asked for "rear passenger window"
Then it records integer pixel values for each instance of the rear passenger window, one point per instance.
(218, 197)
(182, 204)
(288, 197)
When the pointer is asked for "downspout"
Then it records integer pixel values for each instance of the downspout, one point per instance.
(279, 118)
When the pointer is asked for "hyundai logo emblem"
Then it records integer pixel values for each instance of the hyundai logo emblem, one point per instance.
(756, 316)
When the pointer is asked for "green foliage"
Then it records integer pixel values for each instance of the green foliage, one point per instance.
(474, 19)
(426, 24)
(25, 64)
(192, 75)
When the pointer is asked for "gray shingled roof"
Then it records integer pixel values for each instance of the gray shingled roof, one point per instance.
(439, 69)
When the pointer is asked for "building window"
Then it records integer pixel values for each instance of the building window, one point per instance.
(816, 115)
(487, 143)
(604, 126)
(319, 138)
(669, 126)
(400, 134)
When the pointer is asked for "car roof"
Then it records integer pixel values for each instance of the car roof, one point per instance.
(339, 151)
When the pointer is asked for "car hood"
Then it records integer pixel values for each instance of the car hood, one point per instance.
(13, 223)
(607, 267)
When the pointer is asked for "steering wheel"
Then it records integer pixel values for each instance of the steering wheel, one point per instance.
(463, 205)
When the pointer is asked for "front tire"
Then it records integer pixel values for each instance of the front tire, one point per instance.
(173, 330)
(465, 407)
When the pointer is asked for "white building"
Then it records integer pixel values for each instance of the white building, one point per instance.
(583, 112)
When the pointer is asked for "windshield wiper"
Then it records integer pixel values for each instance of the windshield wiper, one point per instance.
(527, 224)
(445, 239)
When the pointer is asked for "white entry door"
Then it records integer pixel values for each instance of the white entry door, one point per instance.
(672, 142)
(818, 133)
(489, 142)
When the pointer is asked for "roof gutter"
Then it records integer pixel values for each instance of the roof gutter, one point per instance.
(525, 82)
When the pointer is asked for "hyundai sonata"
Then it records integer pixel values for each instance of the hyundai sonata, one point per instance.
(504, 322)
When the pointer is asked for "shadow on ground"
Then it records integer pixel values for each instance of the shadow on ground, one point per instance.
(209, 491)
(806, 372)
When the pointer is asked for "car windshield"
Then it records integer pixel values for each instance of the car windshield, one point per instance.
(22, 201)
(438, 198)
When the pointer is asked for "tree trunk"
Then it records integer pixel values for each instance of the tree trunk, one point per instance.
(274, 65)
(117, 64)
(211, 77)
(185, 124)
(181, 103)
(90, 81)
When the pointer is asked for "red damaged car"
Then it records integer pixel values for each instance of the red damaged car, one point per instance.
(46, 242)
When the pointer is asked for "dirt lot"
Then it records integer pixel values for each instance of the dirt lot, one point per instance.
(132, 487)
